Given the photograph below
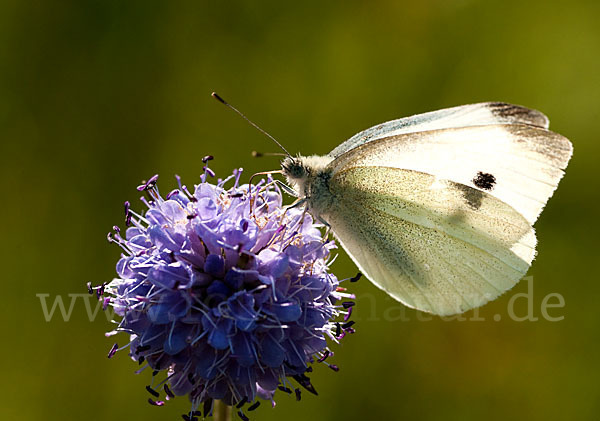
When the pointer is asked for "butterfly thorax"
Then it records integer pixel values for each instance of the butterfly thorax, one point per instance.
(309, 176)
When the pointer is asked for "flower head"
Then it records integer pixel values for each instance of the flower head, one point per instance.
(226, 292)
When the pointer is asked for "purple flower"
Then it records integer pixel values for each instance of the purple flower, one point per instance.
(225, 293)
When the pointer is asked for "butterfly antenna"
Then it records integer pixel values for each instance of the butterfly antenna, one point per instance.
(221, 100)
(256, 154)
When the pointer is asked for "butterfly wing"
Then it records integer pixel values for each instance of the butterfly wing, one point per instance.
(518, 164)
(481, 114)
(442, 219)
(437, 246)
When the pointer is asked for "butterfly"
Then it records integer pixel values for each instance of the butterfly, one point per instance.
(438, 209)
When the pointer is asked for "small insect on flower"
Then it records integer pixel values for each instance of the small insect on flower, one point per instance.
(225, 293)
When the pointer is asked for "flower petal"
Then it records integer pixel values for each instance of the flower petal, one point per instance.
(286, 312)
(272, 263)
(177, 339)
(272, 354)
(214, 265)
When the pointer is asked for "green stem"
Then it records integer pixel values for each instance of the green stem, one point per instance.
(221, 412)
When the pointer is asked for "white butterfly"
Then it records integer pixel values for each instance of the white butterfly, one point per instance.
(437, 209)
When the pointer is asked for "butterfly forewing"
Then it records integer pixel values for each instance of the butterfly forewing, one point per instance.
(482, 114)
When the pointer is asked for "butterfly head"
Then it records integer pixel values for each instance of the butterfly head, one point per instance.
(296, 173)
(305, 174)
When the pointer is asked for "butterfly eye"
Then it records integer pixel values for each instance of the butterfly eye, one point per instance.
(293, 168)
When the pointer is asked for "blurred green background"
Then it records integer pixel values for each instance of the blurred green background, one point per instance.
(97, 95)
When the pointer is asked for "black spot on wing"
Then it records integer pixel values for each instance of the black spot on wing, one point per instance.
(485, 181)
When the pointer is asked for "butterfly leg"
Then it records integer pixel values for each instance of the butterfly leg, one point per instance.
(324, 222)
(327, 227)
(297, 202)
(286, 188)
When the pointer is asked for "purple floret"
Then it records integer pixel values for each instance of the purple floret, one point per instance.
(226, 290)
